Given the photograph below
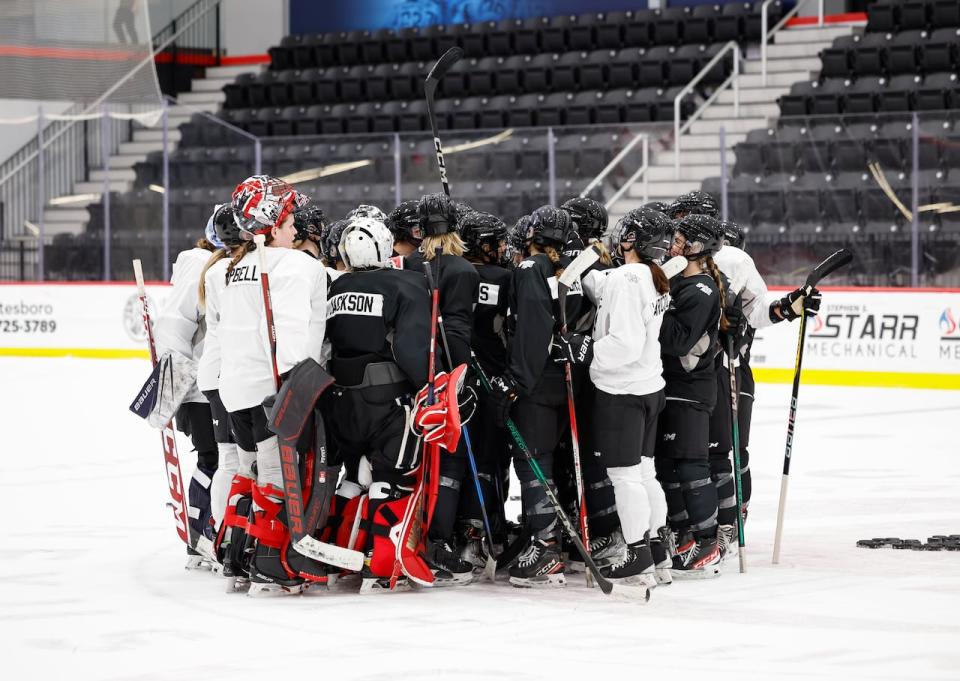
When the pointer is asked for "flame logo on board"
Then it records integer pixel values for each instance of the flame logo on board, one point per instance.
(948, 325)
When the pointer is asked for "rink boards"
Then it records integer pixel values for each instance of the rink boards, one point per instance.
(863, 336)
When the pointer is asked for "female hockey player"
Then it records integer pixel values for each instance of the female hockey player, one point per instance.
(298, 292)
(404, 224)
(309, 224)
(180, 329)
(484, 238)
(379, 330)
(230, 493)
(687, 337)
(458, 282)
(757, 309)
(625, 366)
(532, 390)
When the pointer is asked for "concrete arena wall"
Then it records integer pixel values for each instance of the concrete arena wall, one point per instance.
(863, 336)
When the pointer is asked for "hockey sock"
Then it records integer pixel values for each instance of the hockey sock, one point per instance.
(655, 495)
(699, 496)
(673, 495)
(721, 472)
(198, 496)
(227, 465)
(452, 469)
(538, 512)
(632, 502)
(268, 463)
(247, 460)
(600, 498)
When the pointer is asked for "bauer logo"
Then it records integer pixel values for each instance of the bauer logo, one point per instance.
(133, 317)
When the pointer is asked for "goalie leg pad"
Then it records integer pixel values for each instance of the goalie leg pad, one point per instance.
(388, 508)
(232, 537)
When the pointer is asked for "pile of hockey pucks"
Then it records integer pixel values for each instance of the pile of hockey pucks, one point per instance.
(938, 542)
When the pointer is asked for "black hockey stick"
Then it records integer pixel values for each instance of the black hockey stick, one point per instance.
(439, 70)
(490, 568)
(633, 593)
(737, 471)
(834, 262)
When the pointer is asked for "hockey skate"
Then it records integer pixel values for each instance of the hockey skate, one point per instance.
(539, 566)
(447, 567)
(728, 541)
(697, 558)
(634, 568)
(663, 547)
(372, 584)
(605, 551)
(473, 551)
(198, 561)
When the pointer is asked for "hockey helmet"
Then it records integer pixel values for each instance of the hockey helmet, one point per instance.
(225, 227)
(404, 222)
(330, 240)
(482, 234)
(437, 215)
(549, 226)
(732, 234)
(693, 203)
(261, 203)
(309, 223)
(365, 210)
(589, 217)
(703, 233)
(647, 231)
(365, 243)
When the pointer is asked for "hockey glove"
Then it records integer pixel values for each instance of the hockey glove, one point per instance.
(440, 422)
(790, 306)
(577, 347)
(503, 393)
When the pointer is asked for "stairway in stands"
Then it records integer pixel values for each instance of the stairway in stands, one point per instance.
(792, 56)
(206, 94)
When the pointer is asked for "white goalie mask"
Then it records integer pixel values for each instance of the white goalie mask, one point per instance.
(365, 243)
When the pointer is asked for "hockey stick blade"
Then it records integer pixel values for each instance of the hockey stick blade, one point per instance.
(633, 594)
(828, 266)
(330, 553)
(576, 269)
(444, 64)
(674, 266)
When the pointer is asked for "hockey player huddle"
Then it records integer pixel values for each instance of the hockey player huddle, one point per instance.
(414, 458)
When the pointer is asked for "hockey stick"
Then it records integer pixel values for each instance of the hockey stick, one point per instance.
(881, 179)
(170, 456)
(439, 70)
(832, 263)
(737, 471)
(297, 519)
(490, 568)
(586, 255)
(627, 592)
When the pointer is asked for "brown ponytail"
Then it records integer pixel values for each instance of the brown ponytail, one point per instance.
(604, 253)
(660, 281)
(205, 245)
(202, 286)
(555, 259)
(714, 272)
(238, 253)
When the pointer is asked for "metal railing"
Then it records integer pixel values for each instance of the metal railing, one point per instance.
(72, 145)
(766, 34)
(642, 139)
(733, 79)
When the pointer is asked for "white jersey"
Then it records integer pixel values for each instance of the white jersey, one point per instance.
(180, 324)
(208, 373)
(744, 278)
(626, 349)
(298, 292)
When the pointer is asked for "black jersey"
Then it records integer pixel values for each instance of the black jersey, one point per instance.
(532, 322)
(687, 340)
(379, 316)
(489, 317)
(458, 282)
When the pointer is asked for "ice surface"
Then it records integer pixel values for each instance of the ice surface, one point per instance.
(92, 584)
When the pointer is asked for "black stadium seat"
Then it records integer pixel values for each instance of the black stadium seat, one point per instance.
(732, 20)
(668, 26)
(700, 25)
(835, 60)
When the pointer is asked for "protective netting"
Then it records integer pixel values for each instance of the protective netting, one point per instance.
(90, 52)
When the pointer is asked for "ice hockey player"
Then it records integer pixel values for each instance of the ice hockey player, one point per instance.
(458, 283)
(484, 237)
(309, 223)
(226, 490)
(516, 242)
(330, 247)
(532, 390)
(180, 329)
(379, 330)
(298, 291)
(625, 366)
(404, 224)
(687, 337)
(757, 309)
(693, 203)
